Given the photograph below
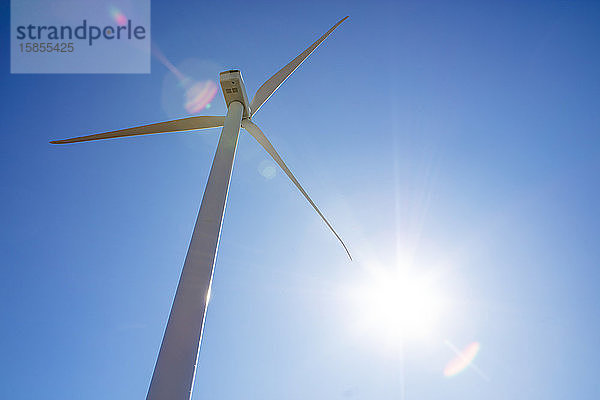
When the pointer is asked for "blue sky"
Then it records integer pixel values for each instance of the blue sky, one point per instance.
(457, 143)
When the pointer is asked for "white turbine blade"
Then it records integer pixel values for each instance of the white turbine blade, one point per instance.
(270, 86)
(266, 144)
(178, 125)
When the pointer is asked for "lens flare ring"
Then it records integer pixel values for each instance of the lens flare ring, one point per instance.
(462, 360)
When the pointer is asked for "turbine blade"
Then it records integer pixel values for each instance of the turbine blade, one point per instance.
(178, 125)
(266, 144)
(270, 86)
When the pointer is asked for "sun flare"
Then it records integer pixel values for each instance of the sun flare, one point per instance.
(396, 305)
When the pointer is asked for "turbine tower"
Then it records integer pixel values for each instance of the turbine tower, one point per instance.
(173, 376)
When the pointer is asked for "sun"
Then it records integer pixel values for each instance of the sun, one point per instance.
(397, 305)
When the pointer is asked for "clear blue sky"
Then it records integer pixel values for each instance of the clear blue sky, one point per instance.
(460, 142)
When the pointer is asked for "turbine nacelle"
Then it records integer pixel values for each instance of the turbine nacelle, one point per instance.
(234, 89)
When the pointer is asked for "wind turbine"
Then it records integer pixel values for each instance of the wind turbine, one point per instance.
(173, 376)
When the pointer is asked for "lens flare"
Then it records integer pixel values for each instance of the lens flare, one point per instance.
(199, 95)
(156, 52)
(118, 16)
(462, 360)
(267, 169)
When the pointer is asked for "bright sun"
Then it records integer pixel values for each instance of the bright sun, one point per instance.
(398, 305)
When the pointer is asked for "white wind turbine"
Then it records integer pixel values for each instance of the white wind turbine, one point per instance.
(175, 368)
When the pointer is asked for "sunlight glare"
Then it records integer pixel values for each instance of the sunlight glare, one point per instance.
(398, 305)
